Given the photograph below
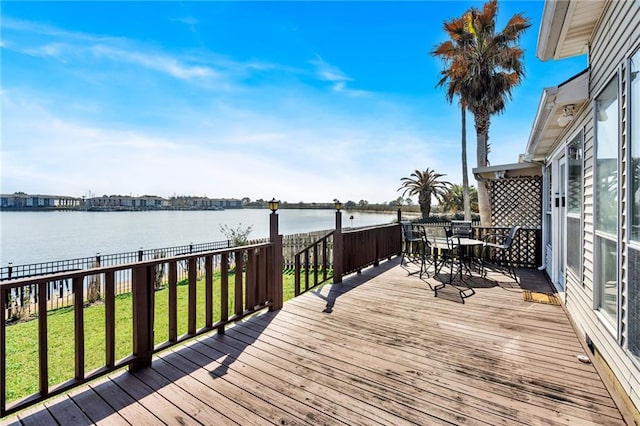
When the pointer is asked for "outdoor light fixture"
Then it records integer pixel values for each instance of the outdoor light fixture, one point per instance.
(338, 205)
(274, 205)
(567, 115)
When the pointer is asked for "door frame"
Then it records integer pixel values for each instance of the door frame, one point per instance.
(557, 191)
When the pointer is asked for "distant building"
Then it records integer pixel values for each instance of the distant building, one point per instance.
(127, 202)
(204, 203)
(20, 200)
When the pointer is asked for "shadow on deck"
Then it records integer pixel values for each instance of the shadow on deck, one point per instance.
(377, 349)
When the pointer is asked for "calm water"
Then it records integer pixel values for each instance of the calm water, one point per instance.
(31, 237)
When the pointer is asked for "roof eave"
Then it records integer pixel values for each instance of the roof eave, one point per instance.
(553, 18)
(573, 91)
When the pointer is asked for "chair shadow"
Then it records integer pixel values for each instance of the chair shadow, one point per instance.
(455, 288)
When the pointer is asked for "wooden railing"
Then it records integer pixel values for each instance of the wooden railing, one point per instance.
(341, 253)
(247, 281)
(314, 264)
(293, 244)
(366, 247)
(526, 251)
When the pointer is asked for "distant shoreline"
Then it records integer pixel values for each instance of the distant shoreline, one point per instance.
(372, 209)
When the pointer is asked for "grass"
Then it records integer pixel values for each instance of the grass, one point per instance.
(22, 337)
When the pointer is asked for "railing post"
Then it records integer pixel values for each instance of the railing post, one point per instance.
(142, 292)
(276, 238)
(338, 249)
(3, 352)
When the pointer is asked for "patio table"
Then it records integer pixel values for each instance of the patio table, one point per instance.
(466, 245)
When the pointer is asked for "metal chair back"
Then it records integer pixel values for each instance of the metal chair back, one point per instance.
(461, 228)
(511, 236)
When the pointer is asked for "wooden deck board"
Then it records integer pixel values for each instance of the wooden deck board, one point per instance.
(376, 349)
(95, 408)
(388, 362)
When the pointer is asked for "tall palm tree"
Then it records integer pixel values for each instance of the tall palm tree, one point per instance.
(448, 51)
(484, 67)
(425, 184)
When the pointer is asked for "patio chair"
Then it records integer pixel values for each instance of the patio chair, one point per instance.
(451, 254)
(410, 243)
(501, 245)
(415, 248)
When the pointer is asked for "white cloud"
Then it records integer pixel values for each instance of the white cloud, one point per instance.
(158, 62)
(83, 49)
(274, 156)
(328, 72)
(188, 20)
(280, 137)
(333, 74)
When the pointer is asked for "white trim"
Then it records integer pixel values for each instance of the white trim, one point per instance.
(630, 144)
(553, 18)
(597, 286)
(578, 135)
(573, 91)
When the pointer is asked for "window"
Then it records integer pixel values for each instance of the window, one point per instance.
(574, 204)
(634, 172)
(548, 202)
(606, 201)
(634, 202)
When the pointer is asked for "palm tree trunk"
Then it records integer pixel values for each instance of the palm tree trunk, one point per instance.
(484, 202)
(424, 199)
(465, 173)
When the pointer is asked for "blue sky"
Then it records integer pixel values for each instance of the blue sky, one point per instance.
(302, 101)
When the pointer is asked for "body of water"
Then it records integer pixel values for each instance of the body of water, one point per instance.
(32, 237)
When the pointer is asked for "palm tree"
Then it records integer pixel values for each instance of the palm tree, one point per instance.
(453, 200)
(424, 184)
(483, 68)
(448, 51)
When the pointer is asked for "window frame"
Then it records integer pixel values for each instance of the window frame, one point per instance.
(577, 138)
(632, 139)
(611, 324)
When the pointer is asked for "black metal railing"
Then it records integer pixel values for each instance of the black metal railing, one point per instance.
(59, 292)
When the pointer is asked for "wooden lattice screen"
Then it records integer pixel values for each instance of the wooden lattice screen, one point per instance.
(516, 201)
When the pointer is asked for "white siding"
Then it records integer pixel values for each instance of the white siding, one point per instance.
(614, 40)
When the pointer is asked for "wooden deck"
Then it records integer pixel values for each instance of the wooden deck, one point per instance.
(376, 349)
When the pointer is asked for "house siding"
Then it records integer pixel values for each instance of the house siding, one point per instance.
(615, 39)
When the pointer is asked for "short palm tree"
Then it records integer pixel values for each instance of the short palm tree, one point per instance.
(453, 200)
(483, 67)
(425, 184)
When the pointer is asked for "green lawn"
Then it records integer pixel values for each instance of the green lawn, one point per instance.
(22, 337)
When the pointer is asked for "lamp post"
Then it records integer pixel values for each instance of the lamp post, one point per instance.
(274, 205)
(399, 206)
(275, 288)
